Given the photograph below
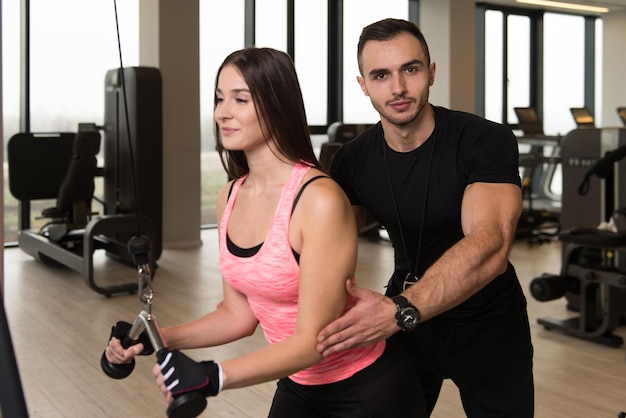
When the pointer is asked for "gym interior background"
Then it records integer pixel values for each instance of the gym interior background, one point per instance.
(492, 57)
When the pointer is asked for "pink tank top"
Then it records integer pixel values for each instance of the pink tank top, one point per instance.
(270, 280)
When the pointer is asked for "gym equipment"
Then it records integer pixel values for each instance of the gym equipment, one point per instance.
(338, 134)
(593, 270)
(63, 166)
(133, 146)
(187, 405)
(539, 220)
(621, 111)
(145, 101)
(529, 121)
(37, 165)
(327, 152)
(73, 206)
(12, 401)
(344, 132)
(582, 117)
(589, 272)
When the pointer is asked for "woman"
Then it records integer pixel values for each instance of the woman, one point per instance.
(288, 243)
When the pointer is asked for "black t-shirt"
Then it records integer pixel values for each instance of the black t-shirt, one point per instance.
(467, 149)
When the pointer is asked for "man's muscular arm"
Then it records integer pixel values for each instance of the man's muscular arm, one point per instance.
(490, 213)
(489, 217)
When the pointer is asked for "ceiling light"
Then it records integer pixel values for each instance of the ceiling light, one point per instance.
(562, 5)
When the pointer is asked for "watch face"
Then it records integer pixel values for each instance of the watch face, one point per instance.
(409, 317)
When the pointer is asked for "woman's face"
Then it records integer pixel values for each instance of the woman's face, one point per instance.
(235, 112)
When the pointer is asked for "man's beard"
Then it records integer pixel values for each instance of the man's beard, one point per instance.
(400, 120)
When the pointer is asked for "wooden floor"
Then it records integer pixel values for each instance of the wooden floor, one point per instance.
(60, 326)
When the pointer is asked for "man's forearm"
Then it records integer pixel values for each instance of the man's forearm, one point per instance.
(461, 272)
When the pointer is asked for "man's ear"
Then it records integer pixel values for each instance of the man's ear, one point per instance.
(361, 81)
(433, 67)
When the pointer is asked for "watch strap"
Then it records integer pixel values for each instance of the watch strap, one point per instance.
(403, 305)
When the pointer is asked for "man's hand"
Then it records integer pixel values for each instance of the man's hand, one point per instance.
(371, 319)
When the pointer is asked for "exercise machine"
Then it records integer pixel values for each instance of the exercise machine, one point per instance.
(583, 117)
(593, 267)
(64, 166)
(621, 111)
(139, 197)
(540, 218)
(338, 134)
(186, 405)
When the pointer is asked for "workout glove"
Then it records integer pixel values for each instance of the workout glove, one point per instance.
(121, 330)
(182, 375)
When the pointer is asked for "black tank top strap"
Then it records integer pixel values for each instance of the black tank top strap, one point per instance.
(249, 252)
(230, 189)
(309, 181)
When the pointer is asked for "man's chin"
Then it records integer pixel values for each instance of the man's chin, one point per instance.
(402, 122)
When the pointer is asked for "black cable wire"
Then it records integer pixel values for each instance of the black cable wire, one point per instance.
(602, 169)
(128, 131)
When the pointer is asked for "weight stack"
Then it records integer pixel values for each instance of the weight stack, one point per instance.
(141, 138)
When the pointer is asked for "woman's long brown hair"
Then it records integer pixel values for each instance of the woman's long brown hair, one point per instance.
(273, 83)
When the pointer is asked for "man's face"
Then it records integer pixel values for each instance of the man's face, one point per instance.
(397, 78)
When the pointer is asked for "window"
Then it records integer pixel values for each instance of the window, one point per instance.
(358, 14)
(539, 59)
(271, 24)
(518, 64)
(230, 33)
(507, 70)
(563, 71)
(73, 44)
(494, 57)
(311, 57)
(310, 60)
(564, 76)
(598, 69)
(10, 103)
(11, 67)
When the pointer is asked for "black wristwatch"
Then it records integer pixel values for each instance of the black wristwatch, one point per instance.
(407, 316)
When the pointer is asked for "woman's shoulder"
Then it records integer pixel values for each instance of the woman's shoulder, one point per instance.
(320, 191)
(322, 206)
(316, 182)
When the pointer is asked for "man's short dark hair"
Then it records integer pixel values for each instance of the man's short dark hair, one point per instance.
(387, 29)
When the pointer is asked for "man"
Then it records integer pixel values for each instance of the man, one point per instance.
(446, 187)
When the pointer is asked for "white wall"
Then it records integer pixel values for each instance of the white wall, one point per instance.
(170, 40)
(449, 29)
(613, 67)
(1, 172)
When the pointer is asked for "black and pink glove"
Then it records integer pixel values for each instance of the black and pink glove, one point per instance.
(182, 375)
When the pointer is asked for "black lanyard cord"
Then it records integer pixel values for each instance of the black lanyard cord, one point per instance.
(411, 277)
